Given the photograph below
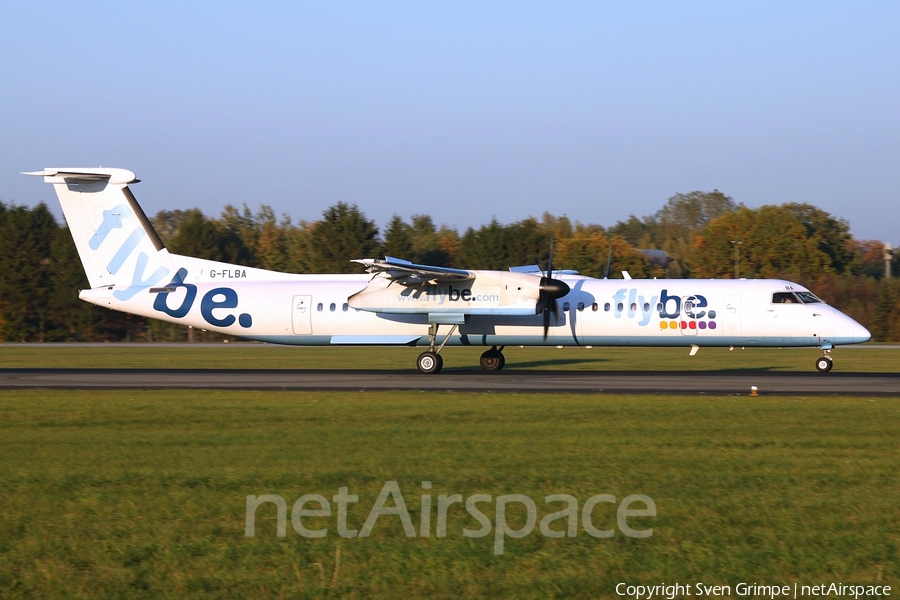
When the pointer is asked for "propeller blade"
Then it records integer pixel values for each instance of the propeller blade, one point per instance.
(608, 262)
(550, 290)
(547, 321)
(550, 261)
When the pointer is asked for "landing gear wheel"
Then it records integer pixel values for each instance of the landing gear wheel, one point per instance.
(492, 360)
(824, 364)
(430, 362)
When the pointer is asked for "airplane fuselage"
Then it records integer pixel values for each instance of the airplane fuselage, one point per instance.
(319, 310)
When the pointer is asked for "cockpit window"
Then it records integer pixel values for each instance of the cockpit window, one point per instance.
(807, 297)
(784, 298)
(794, 298)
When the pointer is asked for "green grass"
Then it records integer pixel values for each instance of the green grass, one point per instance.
(142, 494)
(253, 356)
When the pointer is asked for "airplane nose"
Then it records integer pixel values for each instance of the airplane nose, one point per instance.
(846, 328)
(860, 334)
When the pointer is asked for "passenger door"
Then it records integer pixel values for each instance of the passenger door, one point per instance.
(301, 312)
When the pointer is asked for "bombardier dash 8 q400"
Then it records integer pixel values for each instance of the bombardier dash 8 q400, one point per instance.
(401, 303)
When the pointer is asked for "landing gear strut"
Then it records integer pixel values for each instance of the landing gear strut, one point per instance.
(493, 359)
(430, 361)
(824, 363)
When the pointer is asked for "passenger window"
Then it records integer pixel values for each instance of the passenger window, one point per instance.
(581, 306)
(606, 307)
(332, 307)
(319, 307)
(595, 307)
(646, 307)
(346, 307)
(620, 307)
(566, 306)
(634, 307)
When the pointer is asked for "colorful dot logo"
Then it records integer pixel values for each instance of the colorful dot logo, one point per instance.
(692, 324)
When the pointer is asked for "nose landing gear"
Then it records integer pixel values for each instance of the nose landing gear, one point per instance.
(824, 363)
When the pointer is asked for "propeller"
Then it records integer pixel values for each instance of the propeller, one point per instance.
(608, 263)
(550, 290)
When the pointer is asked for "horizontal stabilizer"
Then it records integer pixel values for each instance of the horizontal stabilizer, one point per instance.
(113, 176)
(397, 268)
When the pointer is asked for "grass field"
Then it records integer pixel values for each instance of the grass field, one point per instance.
(252, 356)
(142, 494)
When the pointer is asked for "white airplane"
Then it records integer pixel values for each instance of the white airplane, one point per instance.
(405, 304)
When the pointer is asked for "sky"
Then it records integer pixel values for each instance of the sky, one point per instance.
(465, 111)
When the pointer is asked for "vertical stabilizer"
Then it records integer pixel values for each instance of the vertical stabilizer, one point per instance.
(116, 242)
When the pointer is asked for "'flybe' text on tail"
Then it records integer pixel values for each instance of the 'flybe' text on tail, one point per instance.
(116, 242)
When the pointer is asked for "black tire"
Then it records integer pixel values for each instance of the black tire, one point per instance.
(492, 360)
(430, 362)
(824, 364)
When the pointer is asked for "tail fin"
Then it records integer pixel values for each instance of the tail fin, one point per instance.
(116, 242)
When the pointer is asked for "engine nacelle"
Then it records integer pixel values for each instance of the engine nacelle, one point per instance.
(489, 293)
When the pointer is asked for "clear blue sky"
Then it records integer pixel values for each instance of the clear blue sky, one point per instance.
(461, 110)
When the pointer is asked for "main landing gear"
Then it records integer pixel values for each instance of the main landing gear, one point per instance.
(493, 359)
(824, 362)
(431, 361)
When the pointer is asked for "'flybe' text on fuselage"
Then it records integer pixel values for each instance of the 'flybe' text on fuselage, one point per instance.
(627, 302)
(440, 295)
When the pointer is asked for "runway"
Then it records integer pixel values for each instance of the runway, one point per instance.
(628, 382)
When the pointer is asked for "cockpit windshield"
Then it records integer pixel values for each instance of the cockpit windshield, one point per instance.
(794, 298)
(807, 297)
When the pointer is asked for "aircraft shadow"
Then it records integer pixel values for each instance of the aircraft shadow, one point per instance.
(554, 362)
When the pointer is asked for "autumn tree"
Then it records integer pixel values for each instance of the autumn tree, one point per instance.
(495, 246)
(272, 239)
(674, 227)
(832, 235)
(868, 258)
(344, 233)
(166, 222)
(26, 273)
(589, 250)
(432, 245)
(640, 233)
(775, 243)
(206, 238)
(559, 228)
(398, 239)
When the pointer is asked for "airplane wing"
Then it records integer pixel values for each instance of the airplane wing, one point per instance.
(406, 272)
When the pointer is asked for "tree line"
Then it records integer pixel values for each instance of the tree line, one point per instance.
(702, 234)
